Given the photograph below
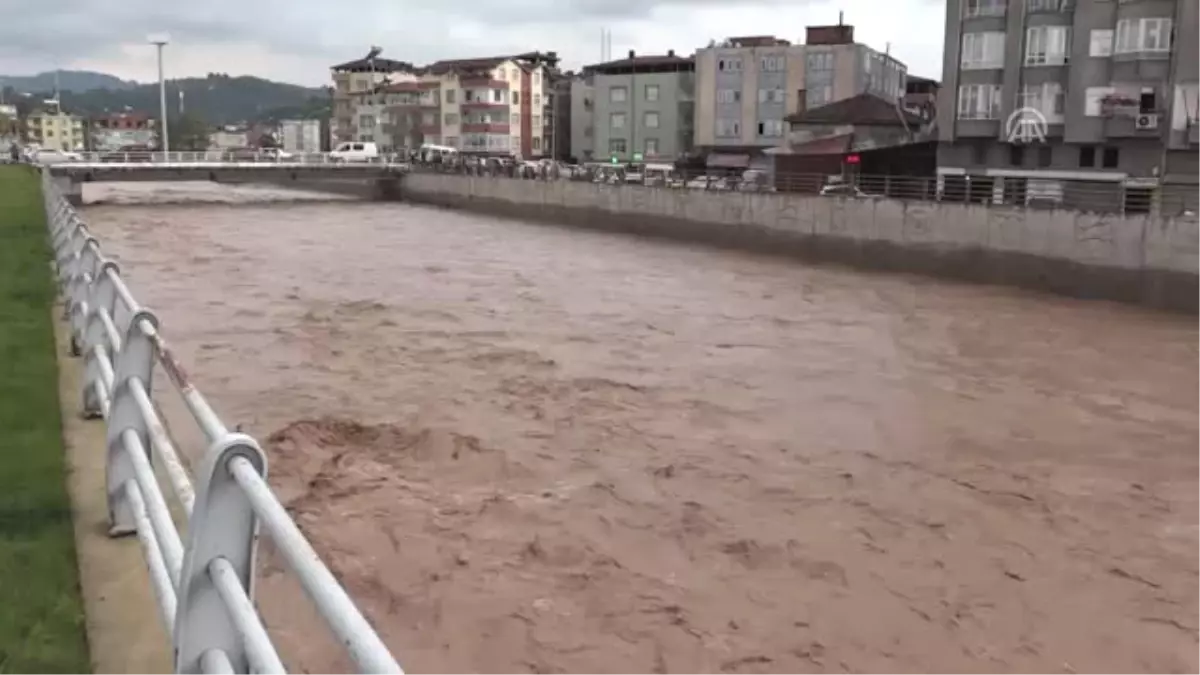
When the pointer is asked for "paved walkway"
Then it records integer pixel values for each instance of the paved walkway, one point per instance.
(124, 632)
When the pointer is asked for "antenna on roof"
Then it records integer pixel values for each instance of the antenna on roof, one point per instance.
(839, 17)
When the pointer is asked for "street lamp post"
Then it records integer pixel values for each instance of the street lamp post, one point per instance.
(161, 41)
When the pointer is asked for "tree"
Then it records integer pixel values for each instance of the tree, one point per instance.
(187, 132)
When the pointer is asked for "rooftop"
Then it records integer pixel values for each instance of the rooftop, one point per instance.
(656, 63)
(864, 109)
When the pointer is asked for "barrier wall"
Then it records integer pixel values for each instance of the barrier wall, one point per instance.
(1147, 260)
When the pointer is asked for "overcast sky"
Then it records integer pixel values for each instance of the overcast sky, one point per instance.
(297, 40)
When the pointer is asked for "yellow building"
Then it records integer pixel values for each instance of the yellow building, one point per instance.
(58, 130)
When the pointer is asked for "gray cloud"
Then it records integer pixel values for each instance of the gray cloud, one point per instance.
(293, 38)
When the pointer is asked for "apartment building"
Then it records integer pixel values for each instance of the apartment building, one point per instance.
(488, 106)
(56, 129)
(118, 130)
(747, 86)
(583, 117)
(1115, 82)
(641, 108)
(352, 80)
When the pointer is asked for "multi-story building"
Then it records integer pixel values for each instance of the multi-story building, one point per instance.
(747, 86)
(118, 130)
(583, 117)
(561, 127)
(300, 135)
(352, 79)
(641, 108)
(56, 129)
(1112, 86)
(492, 105)
(920, 97)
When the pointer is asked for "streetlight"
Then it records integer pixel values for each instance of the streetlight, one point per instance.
(160, 41)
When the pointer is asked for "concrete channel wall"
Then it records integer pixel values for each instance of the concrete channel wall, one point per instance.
(1146, 260)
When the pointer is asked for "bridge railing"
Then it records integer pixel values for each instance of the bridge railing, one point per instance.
(219, 157)
(203, 579)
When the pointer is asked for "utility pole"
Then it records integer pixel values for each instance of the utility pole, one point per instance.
(161, 41)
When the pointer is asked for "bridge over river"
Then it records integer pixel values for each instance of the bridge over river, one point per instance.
(531, 448)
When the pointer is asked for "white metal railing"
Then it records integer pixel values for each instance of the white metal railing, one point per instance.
(204, 580)
(149, 158)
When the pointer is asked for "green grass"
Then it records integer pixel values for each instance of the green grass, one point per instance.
(41, 611)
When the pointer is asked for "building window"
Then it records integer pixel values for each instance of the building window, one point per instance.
(616, 146)
(536, 143)
(537, 121)
(451, 95)
(976, 8)
(730, 65)
(650, 120)
(652, 92)
(516, 98)
(651, 147)
(773, 128)
(818, 96)
(729, 128)
(1110, 158)
(618, 94)
(983, 50)
(1101, 43)
(537, 77)
(450, 118)
(1047, 45)
(537, 99)
(1143, 35)
(366, 121)
(1016, 155)
(1045, 156)
(820, 61)
(1087, 157)
(773, 64)
(498, 96)
(1146, 102)
(616, 120)
(515, 118)
(729, 96)
(771, 96)
(979, 102)
(1047, 6)
(1048, 99)
(1093, 100)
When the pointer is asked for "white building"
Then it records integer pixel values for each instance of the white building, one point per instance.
(300, 135)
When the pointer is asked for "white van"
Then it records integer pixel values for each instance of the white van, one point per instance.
(356, 151)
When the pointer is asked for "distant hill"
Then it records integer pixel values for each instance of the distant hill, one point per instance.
(68, 80)
(216, 99)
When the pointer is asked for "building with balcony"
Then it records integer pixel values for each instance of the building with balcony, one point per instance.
(1112, 86)
(55, 129)
(639, 108)
(353, 79)
(492, 106)
(119, 130)
(747, 86)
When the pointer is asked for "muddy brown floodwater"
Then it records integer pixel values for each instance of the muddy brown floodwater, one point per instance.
(525, 448)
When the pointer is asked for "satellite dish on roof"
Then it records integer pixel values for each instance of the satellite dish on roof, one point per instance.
(375, 51)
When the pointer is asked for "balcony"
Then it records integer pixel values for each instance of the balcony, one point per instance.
(478, 104)
(485, 127)
(482, 83)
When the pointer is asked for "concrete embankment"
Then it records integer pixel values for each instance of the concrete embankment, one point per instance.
(1142, 259)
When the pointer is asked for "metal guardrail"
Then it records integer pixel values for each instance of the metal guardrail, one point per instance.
(211, 157)
(204, 580)
(1098, 196)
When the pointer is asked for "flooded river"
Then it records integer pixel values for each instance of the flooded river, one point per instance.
(528, 448)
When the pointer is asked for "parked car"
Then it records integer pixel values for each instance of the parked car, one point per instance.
(844, 190)
(276, 155)
(355, 152)
(51, 156)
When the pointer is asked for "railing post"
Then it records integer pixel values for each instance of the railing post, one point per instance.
(134, 362)
(223, 525)
(103, 296)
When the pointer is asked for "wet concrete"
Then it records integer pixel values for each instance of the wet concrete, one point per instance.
(530, 448)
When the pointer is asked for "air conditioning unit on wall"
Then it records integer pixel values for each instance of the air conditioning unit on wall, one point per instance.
(1146, 122)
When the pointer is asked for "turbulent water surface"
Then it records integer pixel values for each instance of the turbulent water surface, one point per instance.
(526, 448)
